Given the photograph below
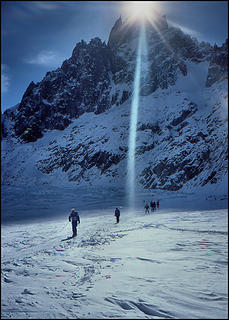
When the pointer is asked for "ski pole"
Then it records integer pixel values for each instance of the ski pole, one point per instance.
(64, 226)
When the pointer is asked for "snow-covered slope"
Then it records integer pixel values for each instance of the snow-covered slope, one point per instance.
(161, 266)
(72, 127)
(181, 142)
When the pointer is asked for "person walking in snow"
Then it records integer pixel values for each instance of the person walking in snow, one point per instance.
(117, 215)
(152, 206)
(146, 209)
(75, 218)
(158, 204)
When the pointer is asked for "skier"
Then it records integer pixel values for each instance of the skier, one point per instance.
(146, 209)
(74, 217)
(157, 203)
(117, 214)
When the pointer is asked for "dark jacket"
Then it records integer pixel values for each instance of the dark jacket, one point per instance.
(74, 217)
(117, 212)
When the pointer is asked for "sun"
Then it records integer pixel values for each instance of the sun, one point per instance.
(140, 9)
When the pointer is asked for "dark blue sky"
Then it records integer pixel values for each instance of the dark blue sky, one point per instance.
(37, 36)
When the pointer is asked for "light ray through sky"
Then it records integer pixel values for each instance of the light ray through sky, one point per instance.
(133, 126)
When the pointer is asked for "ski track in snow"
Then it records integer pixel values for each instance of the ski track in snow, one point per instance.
(161, 265)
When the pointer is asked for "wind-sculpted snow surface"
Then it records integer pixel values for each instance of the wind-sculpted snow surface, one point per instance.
(162, 265)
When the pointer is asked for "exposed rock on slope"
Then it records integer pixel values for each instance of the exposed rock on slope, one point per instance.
(73, 125)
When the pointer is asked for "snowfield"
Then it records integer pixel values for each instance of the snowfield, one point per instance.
(167, 264)
(66, 146)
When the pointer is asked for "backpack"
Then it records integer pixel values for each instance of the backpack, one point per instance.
(117, 213)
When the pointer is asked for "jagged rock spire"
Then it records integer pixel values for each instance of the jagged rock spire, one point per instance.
(124, 32)
(113, 37)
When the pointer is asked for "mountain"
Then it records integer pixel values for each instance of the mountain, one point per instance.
(72, 127)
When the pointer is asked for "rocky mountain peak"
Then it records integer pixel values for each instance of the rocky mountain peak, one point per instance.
(98, 76)
(180, 140)
(125, 32)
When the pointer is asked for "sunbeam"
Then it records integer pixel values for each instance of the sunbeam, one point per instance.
(159, 33)
(133, 126)
(141, 9)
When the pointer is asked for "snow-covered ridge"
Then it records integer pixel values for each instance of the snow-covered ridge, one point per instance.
(72, 127)
(97, 77)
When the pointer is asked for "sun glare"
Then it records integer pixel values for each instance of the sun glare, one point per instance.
(140, 9)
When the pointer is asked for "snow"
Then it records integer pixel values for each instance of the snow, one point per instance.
(167, 264)
(194, 83)
(114, 128)
(109, 132)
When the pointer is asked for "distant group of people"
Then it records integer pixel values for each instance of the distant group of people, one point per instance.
(153, 206)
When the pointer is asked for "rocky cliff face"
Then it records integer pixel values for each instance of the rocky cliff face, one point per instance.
(181, 135)
(218, 68)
